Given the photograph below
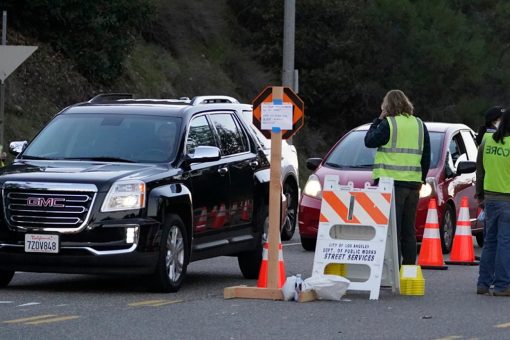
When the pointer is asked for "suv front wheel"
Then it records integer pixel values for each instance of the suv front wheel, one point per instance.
(6, 277)
(173, 256)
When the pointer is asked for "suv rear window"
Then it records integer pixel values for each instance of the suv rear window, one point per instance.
(109, 137)
(232, 138)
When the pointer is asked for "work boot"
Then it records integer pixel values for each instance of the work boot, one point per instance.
(482, 290)
(505, 292)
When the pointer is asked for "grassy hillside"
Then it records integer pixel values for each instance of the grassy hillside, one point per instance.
(188, 51)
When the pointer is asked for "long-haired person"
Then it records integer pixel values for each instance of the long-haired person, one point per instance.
(403, 153)
(493, 194)
(492, 120)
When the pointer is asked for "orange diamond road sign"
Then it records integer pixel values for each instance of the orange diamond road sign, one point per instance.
(273, 107)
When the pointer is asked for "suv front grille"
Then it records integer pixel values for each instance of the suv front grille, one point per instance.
(50, 207)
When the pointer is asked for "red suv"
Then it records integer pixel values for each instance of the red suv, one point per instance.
(451, 177)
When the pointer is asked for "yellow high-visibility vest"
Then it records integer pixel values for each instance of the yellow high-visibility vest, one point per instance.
(486, 135)
(496, 162)
(400, 158)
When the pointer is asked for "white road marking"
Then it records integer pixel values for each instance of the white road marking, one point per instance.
(29, 304)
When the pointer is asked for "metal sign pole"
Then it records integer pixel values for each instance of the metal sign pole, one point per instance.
(289, 31)
(2, 84)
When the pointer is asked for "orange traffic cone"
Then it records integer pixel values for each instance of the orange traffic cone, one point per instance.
(463, 252)
(431, 255)
(262, 280)
(219, 220)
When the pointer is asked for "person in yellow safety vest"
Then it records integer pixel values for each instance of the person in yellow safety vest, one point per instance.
(493, 195)
(492, 119)
(403, 153)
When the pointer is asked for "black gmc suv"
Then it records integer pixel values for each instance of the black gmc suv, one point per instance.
(140, 186)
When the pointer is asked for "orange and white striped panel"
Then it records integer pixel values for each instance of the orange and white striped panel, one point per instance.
(355, 207)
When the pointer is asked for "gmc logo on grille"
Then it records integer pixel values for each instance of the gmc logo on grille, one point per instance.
(46, 202)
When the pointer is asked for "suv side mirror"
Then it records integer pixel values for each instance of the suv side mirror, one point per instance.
(313, 163)
(15, 148)
(466, 167)
(203, 154)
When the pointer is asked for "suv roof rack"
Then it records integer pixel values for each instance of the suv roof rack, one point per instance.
(213, 100)
(109, 97)
(127, 98)
(181, 101)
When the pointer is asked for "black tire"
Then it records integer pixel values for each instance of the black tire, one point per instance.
(289, 224)
(6, 277)
(447, 229)
(249, 261)
(479, 238)
(173, 256)
(308, 243)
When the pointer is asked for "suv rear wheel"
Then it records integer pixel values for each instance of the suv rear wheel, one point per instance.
(289, 225)
(308, 243)
(173, 256)
(447, 230)
(249, 261)
(479, 238)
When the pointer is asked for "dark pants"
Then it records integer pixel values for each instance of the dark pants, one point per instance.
(406, 203)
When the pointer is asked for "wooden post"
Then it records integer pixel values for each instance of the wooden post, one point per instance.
(272, 292)
(275, 198)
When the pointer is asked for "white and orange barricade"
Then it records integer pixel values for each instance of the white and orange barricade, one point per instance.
(354, 227)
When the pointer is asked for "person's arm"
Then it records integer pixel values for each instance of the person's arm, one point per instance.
(425, 156)
(480, 175)
(378, 134)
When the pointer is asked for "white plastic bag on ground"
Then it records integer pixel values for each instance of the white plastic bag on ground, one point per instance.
(328, 287)
(288, 288)
(293, 286)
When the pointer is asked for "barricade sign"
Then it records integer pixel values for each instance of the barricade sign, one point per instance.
(357, 232)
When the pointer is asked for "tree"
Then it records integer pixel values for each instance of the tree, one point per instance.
(96, 34)
(351, 52)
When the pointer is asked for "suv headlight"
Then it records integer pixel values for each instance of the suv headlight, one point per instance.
(125, 195)
(429, 188)
(313, 187)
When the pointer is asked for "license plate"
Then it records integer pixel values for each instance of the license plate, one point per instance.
(41, 243)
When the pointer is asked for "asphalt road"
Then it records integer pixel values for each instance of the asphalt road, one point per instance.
(54, 306)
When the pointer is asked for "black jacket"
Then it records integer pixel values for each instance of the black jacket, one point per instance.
(379, 134)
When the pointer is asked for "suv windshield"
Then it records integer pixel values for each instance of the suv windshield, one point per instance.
(107, 137)
(351, 152)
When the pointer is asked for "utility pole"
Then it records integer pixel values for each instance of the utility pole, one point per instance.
(289, 31)
(2, 85)
(289, 24)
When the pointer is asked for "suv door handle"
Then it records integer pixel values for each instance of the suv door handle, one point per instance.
(223, 171)
(254, 164)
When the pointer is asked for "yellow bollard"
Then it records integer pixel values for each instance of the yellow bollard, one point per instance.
(411, 281)
(336, 269)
